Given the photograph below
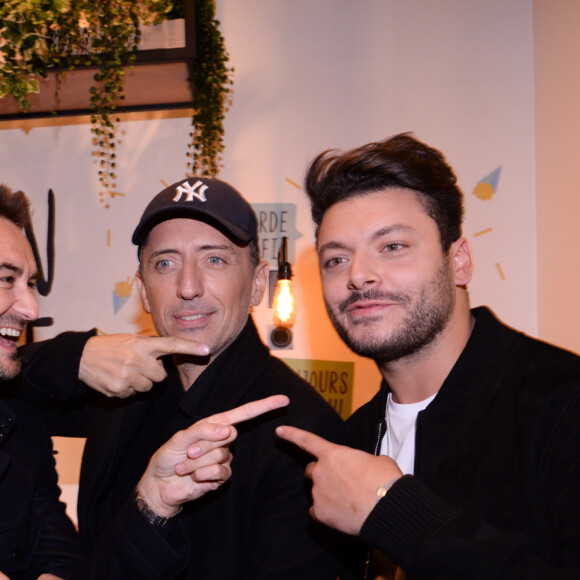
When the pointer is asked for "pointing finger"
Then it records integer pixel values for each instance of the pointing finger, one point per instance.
(162, 345)
(250, 410)
(307, 441)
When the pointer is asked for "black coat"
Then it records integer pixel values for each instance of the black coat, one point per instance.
(256, 525)
(495, 491)
(36, 535)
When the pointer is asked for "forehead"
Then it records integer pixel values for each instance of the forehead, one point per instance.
(187, 232)
(14, 247)
(378, 209)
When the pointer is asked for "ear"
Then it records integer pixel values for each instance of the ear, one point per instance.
(260, 282)
(143, 292)
(462, 261)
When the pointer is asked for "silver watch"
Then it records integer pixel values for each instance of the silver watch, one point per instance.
(151, 515)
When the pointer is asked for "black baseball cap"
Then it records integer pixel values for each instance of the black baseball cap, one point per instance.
(211, 200)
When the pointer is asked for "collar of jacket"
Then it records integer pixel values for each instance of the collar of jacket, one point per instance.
(490, 343)
(225, 382)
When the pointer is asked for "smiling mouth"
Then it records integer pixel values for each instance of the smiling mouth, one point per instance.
(9, 336)
(366, 306)
(192, 317)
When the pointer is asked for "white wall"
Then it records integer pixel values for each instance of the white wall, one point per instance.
(311, 75)
(557, 93)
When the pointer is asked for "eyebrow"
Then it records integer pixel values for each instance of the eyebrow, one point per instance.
(10, 267)
(231, 249)
(18, 271)
(385, 231)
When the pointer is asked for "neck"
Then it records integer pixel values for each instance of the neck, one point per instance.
(421, 375)
(188, 370)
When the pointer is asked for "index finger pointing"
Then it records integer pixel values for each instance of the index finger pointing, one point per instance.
(307, 441)
(162, 345)
(250, 410)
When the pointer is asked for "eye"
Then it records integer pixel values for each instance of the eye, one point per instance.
(7, 280)
(217, 260)
(393, 247)
(163, 264)
(334, 261)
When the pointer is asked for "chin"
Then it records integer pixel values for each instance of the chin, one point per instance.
(9, 371)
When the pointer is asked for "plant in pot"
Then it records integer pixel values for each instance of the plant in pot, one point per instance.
(40, 36)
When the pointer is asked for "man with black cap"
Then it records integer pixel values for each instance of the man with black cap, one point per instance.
(199, 276)
(37, 540)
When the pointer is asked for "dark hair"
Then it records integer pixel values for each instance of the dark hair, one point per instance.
(14, 207)
(254, 254)
(399, 161)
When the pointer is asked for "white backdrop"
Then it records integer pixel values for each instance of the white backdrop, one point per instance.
(310, 75)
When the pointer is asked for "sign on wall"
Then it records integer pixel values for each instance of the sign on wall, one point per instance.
(332, 379)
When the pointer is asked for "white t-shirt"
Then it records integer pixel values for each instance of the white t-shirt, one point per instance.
(399, 440)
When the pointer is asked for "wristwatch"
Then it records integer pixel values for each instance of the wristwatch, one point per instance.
(151, 515)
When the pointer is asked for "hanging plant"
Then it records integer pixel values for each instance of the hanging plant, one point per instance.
(213, 81)
(38, 36)
(24, 54)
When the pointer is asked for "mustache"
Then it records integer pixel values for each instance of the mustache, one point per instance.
(13, 321)
(372, 294)
(192, 306)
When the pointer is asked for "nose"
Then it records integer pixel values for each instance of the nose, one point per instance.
(26, 305)
(362, 272)
(189, 283)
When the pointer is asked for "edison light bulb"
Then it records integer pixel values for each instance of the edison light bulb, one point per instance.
(284, 304)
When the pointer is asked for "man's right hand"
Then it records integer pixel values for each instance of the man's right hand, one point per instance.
(345, 481)
(120, 365)
(197, 460)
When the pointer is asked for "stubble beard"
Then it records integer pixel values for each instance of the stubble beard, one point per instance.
(9, 368)
(427, 315)
(10, 363)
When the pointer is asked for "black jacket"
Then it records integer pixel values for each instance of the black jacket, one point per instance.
(36, 536)
(496, 485)
(256, 525)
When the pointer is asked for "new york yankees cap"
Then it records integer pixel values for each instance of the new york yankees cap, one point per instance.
(211, 200)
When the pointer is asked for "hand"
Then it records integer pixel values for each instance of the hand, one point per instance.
(344, 480)
(120, 365)
(197, 459)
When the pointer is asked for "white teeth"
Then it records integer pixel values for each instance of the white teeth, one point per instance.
(10, 332)
(194, 317)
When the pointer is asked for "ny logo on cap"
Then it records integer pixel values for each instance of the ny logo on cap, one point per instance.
(190, 191)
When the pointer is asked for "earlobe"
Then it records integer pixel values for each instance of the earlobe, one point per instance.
(143, 293)
(462, 261)
(260, 282)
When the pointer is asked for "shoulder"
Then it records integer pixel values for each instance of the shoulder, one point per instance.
(545, 369)
(506, 354)
(538, 380)
(308, 409)
(549, 384)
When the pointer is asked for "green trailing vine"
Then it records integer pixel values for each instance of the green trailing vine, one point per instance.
(213, 82)
(39, 36)
(25, 28)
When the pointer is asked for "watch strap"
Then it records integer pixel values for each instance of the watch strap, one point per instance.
(151, 515)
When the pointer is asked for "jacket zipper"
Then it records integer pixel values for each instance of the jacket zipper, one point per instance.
(376, 452)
